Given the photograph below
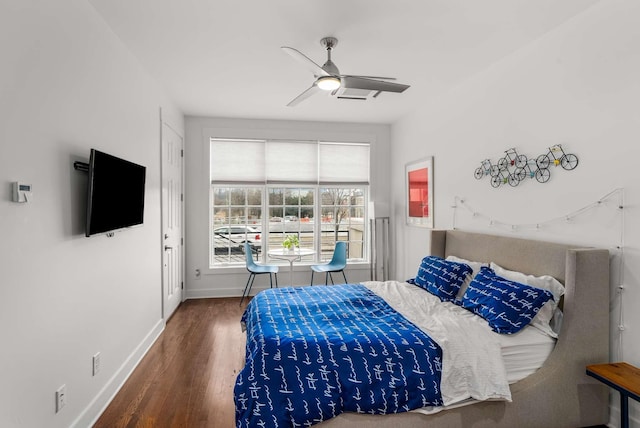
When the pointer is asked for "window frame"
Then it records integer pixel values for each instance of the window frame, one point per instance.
(318, 230)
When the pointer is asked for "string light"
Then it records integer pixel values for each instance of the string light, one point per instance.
(568, 218)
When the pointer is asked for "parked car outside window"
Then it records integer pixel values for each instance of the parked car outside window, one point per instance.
(238, 235)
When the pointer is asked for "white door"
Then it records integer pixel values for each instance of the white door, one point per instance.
(172, 217)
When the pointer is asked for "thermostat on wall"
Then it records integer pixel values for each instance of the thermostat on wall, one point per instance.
(21, 192)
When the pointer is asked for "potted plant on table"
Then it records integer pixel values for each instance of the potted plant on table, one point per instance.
(291, 242)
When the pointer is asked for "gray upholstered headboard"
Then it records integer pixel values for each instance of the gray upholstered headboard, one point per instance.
(522, 255)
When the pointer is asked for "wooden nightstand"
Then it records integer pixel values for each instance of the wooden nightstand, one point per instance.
(622, 377)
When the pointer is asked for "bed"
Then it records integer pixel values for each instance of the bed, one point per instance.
(557, 394)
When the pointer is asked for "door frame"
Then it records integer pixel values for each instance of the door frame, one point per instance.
(164, 122)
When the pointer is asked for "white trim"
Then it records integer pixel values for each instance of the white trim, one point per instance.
(97, 406)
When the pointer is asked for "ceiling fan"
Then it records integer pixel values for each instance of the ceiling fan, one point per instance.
(345, 86)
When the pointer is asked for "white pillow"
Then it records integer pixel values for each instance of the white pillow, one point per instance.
(475, 266)
(546, 282)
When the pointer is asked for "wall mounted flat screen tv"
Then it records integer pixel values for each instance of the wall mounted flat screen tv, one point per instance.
(115, 193)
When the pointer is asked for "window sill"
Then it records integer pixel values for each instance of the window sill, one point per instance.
(297, 267)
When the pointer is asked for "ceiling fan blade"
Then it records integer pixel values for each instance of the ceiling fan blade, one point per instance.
(305, 60)
(368, 77)
(354, 82)
(303, 96)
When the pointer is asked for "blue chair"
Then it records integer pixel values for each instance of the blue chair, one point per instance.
(256, 269)
(337, 264)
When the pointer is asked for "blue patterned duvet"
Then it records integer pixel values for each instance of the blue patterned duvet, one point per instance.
(315, 352)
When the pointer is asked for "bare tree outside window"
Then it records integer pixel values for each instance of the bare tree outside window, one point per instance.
(342, 220)
(338, 201)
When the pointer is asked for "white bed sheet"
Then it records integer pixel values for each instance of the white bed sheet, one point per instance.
(525, 352)
(478, 364)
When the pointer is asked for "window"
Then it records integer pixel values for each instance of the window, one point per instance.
(343, 219)
(291, 212)
(236, 218)
(263, 190)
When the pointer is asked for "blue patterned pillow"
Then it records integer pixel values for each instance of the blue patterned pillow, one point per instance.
(441, 277)
(508, 306)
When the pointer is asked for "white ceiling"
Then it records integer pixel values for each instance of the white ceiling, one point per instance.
(222, 58)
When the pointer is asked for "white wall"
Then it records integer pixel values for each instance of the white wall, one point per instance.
(231, 281)
(579, 85)
(67, 84)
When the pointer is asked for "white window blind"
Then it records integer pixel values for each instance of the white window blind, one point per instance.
(292, 162)
(237, 161)
(344, 163)
(300, 162)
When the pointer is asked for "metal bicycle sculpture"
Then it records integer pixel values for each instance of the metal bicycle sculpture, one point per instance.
(531, 170)
(486, 168)
(504, 176)
(512, 158)
(514, 168)
(567, 160)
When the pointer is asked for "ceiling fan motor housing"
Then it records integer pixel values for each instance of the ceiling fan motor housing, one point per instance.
(329, 43)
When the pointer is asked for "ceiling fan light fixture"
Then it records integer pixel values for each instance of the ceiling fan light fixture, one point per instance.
(328, 83)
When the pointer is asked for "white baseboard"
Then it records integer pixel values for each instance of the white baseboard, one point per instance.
(98, 405)
(208, 293)
(614, 412)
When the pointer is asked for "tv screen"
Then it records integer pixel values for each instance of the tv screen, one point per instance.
(115, 193)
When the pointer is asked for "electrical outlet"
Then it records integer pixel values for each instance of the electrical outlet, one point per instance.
(61, 398)
(96, 363)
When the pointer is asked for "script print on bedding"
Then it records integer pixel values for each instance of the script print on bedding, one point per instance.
(315, 352)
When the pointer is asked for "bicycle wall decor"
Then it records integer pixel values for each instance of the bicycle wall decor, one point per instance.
(514, 168)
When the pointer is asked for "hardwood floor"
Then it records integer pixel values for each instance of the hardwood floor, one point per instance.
(187, 377)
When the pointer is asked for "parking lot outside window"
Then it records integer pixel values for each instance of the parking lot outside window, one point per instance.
(236, 219)
(343, 219)
(291, 212)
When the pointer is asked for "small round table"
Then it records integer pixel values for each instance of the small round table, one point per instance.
(290, 256)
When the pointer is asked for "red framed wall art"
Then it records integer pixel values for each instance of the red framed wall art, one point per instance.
(419, 192)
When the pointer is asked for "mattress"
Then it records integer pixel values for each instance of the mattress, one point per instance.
(525, 352)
